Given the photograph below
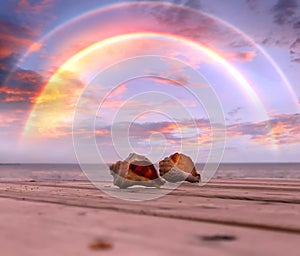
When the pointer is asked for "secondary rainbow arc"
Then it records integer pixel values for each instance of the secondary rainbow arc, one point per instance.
(168, 4)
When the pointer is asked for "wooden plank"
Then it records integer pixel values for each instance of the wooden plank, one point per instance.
(34, 229)
(256, 209)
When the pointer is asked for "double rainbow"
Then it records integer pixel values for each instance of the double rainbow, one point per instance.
(46, 114)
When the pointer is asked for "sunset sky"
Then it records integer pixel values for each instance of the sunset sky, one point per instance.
(152, 77)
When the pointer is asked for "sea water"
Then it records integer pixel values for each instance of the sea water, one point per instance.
(70, 172)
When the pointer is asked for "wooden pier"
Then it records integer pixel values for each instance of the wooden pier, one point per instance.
(224, 217)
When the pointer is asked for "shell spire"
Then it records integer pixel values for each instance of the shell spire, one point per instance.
(178, 167)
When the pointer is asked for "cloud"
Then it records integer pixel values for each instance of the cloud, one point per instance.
(284, 10)
(18, 87)
(164, 81)
(10, 27)
(239, 56)
(6, 64)
(9, 119)
(190, 132)
(189, 3)
(240, 43)
(175, 13)
(118, 91)
(22, 87)
(252, 4)
(295, 46)
(280, 129)
(254, 130)
(38, 7)
(291, 43)
(11, 124)
(16, 98)
(295, 50)
(297, 60)
(181, 80)
(189, 23)
(296, 25)
(15, 38)
(19, 33)
(234, 111)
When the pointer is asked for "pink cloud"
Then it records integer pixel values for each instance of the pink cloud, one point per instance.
(281, 129)
(15, 43)
(15, 38)
(239, 56)
(118, 91)
(36, 8)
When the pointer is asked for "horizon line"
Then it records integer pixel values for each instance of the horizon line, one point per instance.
(20, 163)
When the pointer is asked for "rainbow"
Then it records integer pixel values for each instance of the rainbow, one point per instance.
(108, 8)
(41, 121)
(70, 66)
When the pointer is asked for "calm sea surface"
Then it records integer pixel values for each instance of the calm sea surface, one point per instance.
(19, 172)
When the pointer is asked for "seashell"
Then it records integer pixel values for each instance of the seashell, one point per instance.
(135, 170)
(178, 167)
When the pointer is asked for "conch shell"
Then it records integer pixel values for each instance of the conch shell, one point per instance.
(178, 167)
(135, 170)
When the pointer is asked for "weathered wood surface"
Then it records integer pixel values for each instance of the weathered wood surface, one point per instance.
(224, 217)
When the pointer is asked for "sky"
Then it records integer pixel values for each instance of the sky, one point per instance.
(90, 81)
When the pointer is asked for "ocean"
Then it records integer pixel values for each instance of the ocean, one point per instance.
(73, 172)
